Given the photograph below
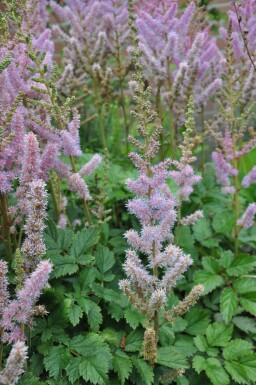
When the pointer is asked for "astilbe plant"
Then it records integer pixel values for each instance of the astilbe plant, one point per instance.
(181, 58)
(84, 54)
(231, 131)
(149, 283)
(31, 277)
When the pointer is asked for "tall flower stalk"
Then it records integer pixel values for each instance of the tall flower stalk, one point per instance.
(236, 111)
(148, 285)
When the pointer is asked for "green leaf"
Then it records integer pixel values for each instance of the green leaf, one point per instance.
(209, 280)
(248, 301)
(169, 356)
(223, 223)
(199, 363)
(226, 259)
(218, 334)
(215, 372)
(63, 265)
(245, 285)
(134, 341)
(144, 370)
(65, 238)
(75, 313)
(93, 313)
(242, 265)
(240, 361)
(122, 365)
(133, 317)
(237, 348)
(246, 324)
(83, 241)
(211, 265)
(198, 320)
(203, 346)
(104, 260)
(104, 293)
(212, 368)
(228, 304)
(57, 360)
(203, 233)
(185, 345)
(73, 369)
(96, 357)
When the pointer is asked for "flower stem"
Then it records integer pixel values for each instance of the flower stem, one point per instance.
(5, 226)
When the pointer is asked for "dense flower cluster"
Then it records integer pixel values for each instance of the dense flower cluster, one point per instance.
(156, 208)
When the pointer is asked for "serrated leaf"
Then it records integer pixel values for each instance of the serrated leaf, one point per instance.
(209, 280)
(104, 259)
(116, 311)
(104, 293)
(240, 361)
(248, 302)
(134, 341)
(246, 324)
(228, 304)
(215, 372)
(198, 320)
(122, 365)
(226, 259)
(169, 356)
(223, 223)
(242, 265)
(203, 233)
(166, 335)
(211, 265)
(199, 363)
(237, 348)
(218, 334)
(144, 370)
(203, 346)
(63, 265)
(73, 369)
(65, 237)
(57, 360)
(83, 241)
(212, 368)
(185, 345)
(93, 313)
(75, 314)
(133, 317)
(96, 357)
(245, 285)
(46, 335)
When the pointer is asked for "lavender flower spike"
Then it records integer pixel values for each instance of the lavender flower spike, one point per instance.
(20, 310)
(33, 246)
(14, 365)
(246, 220)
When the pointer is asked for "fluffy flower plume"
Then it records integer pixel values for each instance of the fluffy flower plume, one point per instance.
(14, 365)
(179, 63)
(20, 310)
(4, 294)
(33, 246)
(91, 166)
(247, 220)
(155, 206)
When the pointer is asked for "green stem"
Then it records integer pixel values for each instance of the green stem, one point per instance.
(5, 226)
(55, 200)
(178, 225)
(1, 348)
